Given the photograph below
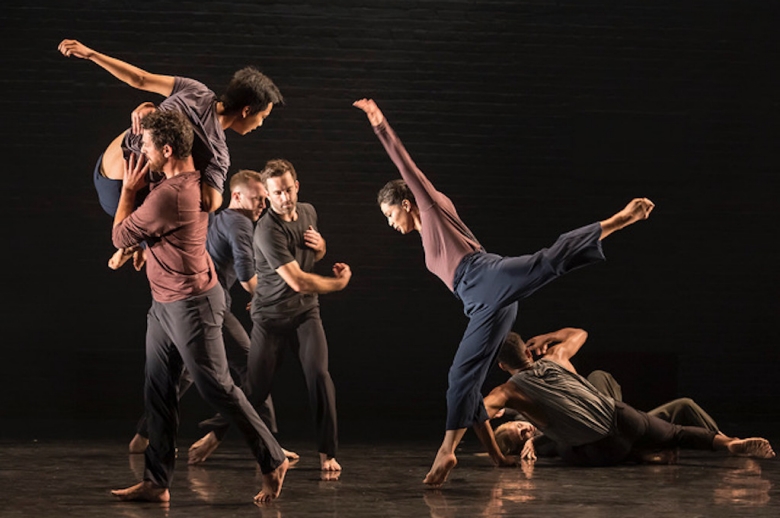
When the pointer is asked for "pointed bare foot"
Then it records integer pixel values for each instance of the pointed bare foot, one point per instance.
(291, 454)
(442, 465)
(138, 444)
(756, 447)
(143, 492)
(120, 257)
(329, 463)
(272, 484)
(202, 448)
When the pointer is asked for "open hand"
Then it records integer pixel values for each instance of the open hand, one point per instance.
(139, 113)
(314, 240)
(136, 173)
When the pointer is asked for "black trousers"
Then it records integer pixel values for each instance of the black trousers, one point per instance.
(633, 433)
(188, 333)
(305, 336)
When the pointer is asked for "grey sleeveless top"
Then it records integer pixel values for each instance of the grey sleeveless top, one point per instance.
(576, 412)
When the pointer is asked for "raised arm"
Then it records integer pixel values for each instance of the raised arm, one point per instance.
(637, 209)
(304, 282)
(125, 72)
(423, 190)
(559, 346)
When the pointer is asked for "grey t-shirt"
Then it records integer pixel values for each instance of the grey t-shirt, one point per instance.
(276, 243)
(209, 148)
(576, 412)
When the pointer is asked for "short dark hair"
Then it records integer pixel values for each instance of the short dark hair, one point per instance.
(504, 441)
(394, 192)
(512, 352)
(277, 167)
(243, 177)
(250, 87)
(171, 128)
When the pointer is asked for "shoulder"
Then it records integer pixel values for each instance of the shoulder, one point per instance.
(307, 210)
(267, 225)
(185, 84)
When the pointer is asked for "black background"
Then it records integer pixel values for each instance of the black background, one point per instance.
(535, 117)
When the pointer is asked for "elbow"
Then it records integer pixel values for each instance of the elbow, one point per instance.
(138, 81)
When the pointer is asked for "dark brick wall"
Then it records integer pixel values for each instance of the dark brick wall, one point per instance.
(533, 116)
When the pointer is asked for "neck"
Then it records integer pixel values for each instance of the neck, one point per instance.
(417, 220)
(225, 119)
(288, 216)
(175, 166)
(238, 208)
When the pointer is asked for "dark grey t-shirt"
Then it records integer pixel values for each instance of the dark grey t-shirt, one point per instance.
(276, 243)
(576, 412)
(209, 148)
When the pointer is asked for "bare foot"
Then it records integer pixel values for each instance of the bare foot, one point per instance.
(756, 447)
(329, 463)
(442, 465)
(138, 444)
(202, 448)
(291, 454)
(272, 484)
(143, 492)
(119, 258)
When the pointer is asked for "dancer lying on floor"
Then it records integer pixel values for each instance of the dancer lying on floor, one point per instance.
(589, 428)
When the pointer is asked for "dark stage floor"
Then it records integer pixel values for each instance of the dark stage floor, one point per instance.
(70, 477)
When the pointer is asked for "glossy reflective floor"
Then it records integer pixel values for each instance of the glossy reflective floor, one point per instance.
(70, 477)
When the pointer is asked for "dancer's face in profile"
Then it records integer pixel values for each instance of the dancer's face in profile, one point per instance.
(398, 216)
(249, 123)
(155, 157)
(251, 198)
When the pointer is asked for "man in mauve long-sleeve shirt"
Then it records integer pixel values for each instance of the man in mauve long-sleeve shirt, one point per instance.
(184, 324)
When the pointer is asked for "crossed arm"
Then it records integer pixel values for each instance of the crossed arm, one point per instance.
(559, 346)
(305, 282)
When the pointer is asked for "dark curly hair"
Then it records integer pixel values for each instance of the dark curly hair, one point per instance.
(172, 128)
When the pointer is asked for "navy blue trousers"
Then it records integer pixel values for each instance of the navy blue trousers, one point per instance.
(489, 286)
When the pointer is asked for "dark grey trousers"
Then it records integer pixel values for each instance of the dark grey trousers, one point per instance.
(188, 333)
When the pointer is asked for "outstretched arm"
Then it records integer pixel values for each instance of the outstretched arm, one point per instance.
(559, 346)
(125, 72)
(636, 210)
(423, 190)
(494, 402)
(374, 114)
